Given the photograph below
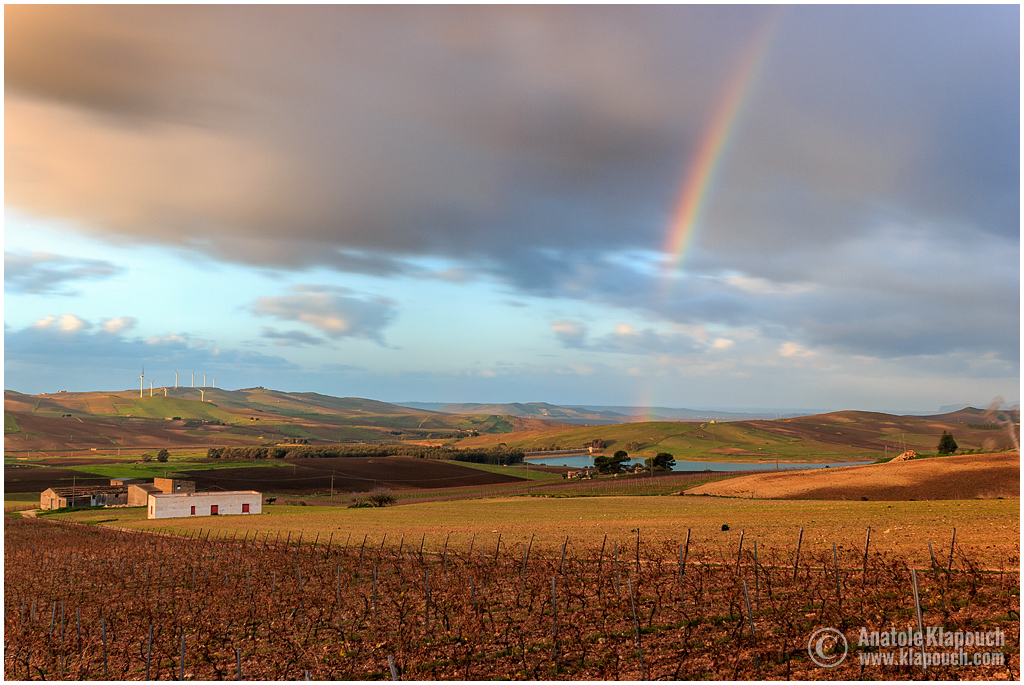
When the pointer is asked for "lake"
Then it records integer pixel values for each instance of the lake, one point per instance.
(581, 461)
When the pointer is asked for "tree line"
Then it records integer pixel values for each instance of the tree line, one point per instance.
(480, 455)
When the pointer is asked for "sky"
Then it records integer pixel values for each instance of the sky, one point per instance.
(688, 206)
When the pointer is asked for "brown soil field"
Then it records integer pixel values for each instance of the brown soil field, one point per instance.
(351, 474)
(49, 434)
(37, 480)
(940, 478)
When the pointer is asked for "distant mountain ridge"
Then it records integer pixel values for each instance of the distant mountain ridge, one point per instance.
(595, 414)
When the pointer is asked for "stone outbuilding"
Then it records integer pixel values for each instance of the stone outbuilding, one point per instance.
(138, 494)
(188, 504)
(170, 486)
(84, 496)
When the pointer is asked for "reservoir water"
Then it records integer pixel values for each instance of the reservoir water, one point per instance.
(582, 461)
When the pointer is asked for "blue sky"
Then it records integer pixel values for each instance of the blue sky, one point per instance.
(472, 203)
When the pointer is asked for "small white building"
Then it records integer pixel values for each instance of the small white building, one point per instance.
(186, 504)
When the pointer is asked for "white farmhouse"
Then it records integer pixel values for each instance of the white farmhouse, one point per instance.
(186, 504)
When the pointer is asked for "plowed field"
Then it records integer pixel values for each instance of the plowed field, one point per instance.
(351, 474)
(941, 478)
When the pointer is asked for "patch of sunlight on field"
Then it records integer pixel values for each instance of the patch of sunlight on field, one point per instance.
(991, 528)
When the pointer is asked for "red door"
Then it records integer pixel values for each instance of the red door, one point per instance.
(213, 510)
(245, 508)
(193, 511)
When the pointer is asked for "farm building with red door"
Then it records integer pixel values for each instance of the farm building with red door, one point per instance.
(187, 504)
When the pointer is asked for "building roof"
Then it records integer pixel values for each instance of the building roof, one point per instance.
(148, 487)
(202, 495)
(81, 490)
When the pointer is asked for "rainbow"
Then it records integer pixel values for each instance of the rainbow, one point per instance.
(702, 171)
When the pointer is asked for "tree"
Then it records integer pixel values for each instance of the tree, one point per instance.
(663, 461)
(947, 445)
(163, 455)
(614, 464)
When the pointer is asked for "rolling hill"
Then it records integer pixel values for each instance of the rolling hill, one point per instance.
(836, 436)
(106, 421)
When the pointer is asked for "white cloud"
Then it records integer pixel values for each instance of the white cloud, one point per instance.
(333, 311)
(117, 324)
(792, 349)
(67, 323)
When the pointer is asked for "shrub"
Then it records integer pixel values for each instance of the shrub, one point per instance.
(380, 497)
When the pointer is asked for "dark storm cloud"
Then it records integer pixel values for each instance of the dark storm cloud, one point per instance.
(41, 273)
(291, 337)
(534, 144)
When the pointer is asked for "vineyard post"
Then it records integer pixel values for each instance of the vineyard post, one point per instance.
(149, 650)
(835, 567)
(400, 543)
(952, 543)
(381, 549)
(796, 562)
(636, 624)
(300, 579)
(316, 540)
(917, 608)
(103, 632)
(638, 550)
(554, 621)
(424, 539)
(238, 661)
(339, 596)
(750, 615)
(686, 549)
(600, 558)
(374, 591)
(391, 664)
(274, 586)
(181, 665)
(445, 553)
(426, 601)
(363, 547)
(561, 569)
(472, 591)
(867, 542)
(615, 548)
(682, 588)
(530, 548)
(497, 549)
(522, 573)
(471, 545)
(739, 553)
(935, 564)
(757, 588)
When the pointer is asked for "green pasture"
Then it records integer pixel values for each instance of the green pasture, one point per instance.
(685, 442)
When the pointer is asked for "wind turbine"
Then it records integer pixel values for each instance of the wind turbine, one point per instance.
(151, 388)
(202, 396)
(193, 379)
(141, 377)
(215, 382)
(175, 380)
(204, 380)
